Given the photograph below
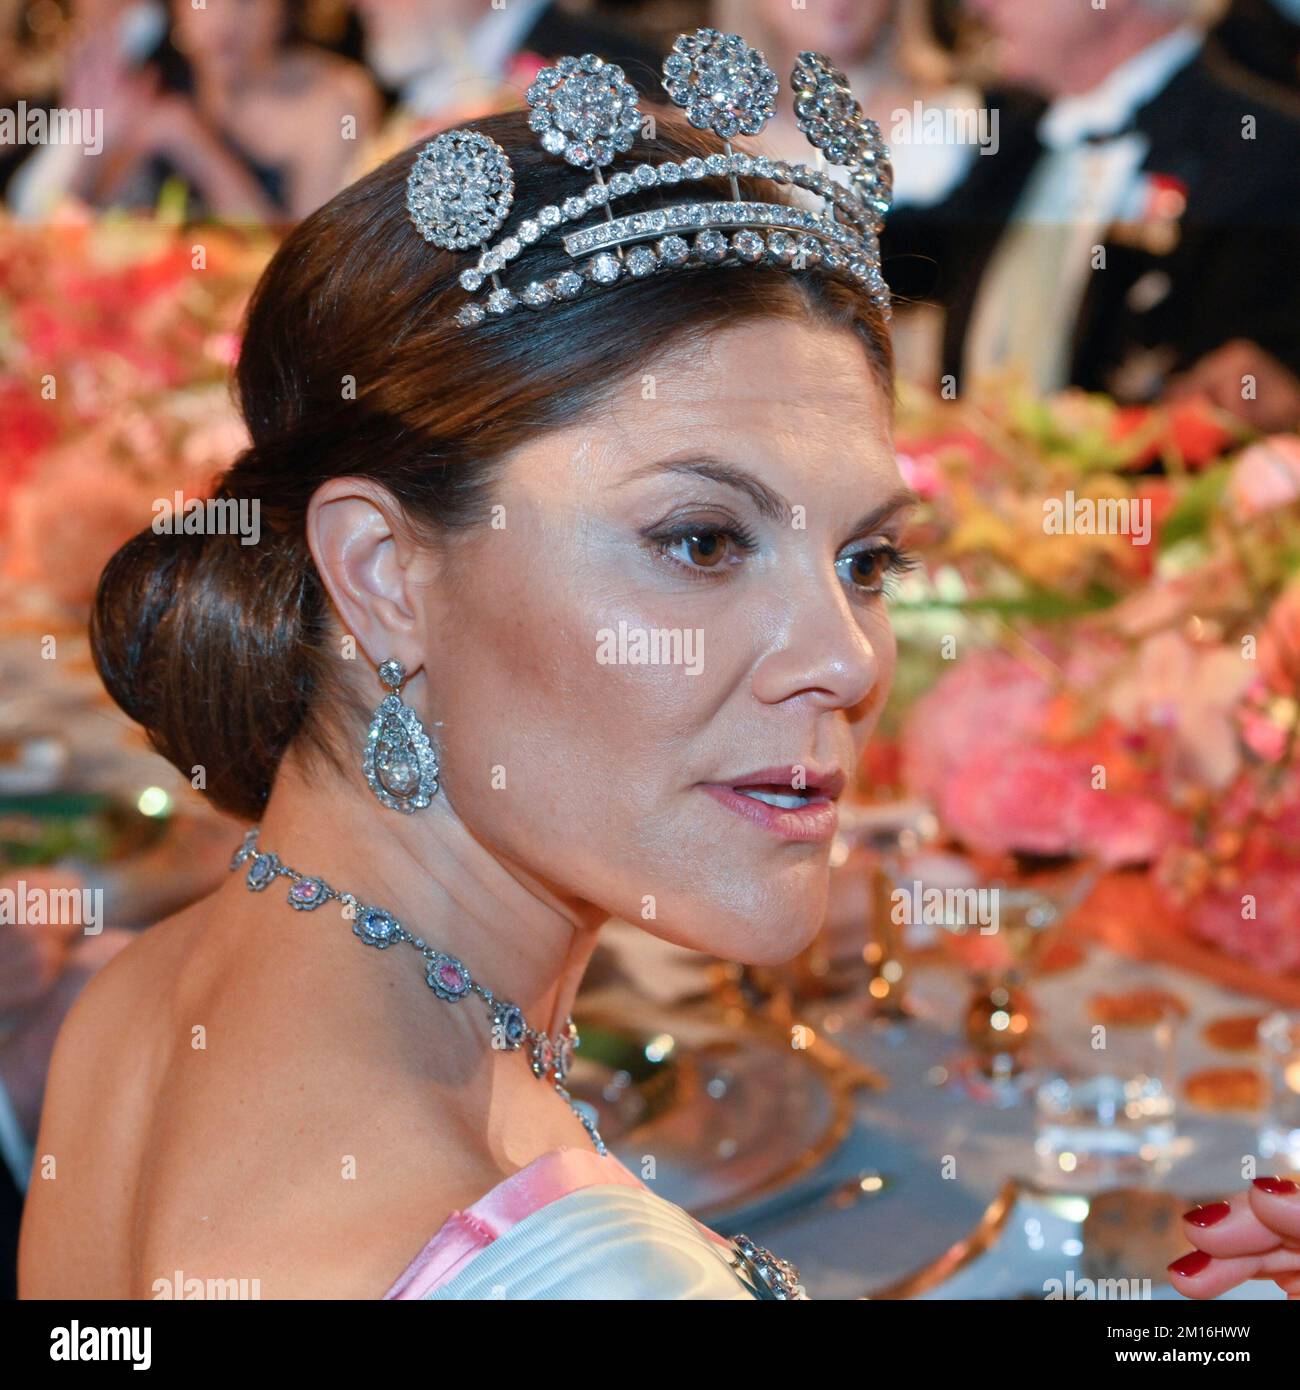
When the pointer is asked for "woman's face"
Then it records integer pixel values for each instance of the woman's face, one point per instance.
(1038, 45)
(845, 30)
(228, 37)
(680, 598)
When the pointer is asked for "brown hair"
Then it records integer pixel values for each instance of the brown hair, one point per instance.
(218, 648)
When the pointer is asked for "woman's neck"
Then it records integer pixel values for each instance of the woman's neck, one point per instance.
(514, 934)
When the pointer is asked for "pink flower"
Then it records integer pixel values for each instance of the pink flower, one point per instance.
(1041, 800)
(1269, 937)
(977, 746)
(1007, 798)
(921, 472)
(1279, 643)
(929, 451)
(223, 348)
(1263, 735)
(1122, 827)
(988, 701)
(1191, 693)
(1265, 476)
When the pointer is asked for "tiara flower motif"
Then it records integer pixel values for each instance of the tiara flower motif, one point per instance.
(460, 189)
(721, 83)
(829, 115)
(584, 110)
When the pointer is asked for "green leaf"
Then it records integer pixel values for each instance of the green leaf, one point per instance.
(1194, 509)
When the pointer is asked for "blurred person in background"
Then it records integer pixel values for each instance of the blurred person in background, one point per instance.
(1259, 41)
(31, 37)
(446, 59)
(1136, 231)
(889, 54)
(258, 124)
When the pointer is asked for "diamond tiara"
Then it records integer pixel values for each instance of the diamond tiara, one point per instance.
(461, 187)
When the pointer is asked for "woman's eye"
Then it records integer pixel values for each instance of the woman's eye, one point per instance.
(704, 548)
(869, 571)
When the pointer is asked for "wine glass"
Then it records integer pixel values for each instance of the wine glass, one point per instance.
(998, 927)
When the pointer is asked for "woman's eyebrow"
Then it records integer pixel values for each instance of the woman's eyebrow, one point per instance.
(769, 503)
(902, 500)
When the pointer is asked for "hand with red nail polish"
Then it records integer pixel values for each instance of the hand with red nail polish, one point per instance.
(1253, 1234)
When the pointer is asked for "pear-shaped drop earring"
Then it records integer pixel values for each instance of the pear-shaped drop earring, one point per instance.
(399, 760)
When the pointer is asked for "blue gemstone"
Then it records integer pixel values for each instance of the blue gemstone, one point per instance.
(377, 927)
(261, 871)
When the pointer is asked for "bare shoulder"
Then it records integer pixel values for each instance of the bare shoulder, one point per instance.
(113, 1020)
(238, 1096)
(137, 974)
(96, 1093)
(219, 1115)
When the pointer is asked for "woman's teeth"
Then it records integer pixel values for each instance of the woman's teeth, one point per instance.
(786, 801)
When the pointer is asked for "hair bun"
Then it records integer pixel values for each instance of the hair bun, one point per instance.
(199, 638)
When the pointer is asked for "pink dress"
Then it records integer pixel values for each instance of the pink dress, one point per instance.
(574, 1224)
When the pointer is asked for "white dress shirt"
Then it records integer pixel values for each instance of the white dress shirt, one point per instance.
(1087, 178)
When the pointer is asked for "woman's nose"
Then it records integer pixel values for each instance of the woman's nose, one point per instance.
(826, 652)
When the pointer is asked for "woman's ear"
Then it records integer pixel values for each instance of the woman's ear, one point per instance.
(373, 570)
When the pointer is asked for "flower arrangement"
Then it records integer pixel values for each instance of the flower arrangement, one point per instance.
(1102, 655)
(116, 345)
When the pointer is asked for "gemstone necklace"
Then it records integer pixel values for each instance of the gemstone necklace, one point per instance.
(549, 1057)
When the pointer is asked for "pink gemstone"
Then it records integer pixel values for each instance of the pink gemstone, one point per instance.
(305, 891)
(450, 977)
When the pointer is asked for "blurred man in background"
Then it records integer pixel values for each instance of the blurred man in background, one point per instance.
(1138, 227)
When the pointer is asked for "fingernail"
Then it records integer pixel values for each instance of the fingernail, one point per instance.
(1207, 1215)
(1190, 1264)
(1279, 1187)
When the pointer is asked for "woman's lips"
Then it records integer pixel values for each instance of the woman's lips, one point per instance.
(817, 819)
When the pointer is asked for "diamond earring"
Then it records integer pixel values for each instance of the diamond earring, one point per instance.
(399, 760)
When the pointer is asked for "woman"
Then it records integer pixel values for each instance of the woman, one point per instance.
(257, 124)
(701, 451)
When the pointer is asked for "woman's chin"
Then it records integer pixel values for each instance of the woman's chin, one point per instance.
(770, 934)
(783, 943)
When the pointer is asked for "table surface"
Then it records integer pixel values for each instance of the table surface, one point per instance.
(906, 1131)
